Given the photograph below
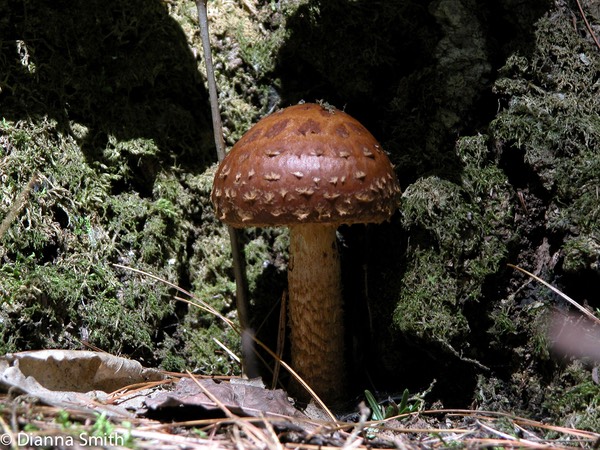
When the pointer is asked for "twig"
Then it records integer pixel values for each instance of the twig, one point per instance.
(6, 430)
(210, 77)
(503, 435)
(280, 338)
(587, 24)
(239, 269)
(587, 313)
(227, 350)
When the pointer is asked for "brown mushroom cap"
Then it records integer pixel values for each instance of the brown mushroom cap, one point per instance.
(305, 164)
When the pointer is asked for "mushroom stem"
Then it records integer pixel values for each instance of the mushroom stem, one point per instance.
(315, 309)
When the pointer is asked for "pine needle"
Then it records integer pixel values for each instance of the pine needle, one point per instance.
(586, 312)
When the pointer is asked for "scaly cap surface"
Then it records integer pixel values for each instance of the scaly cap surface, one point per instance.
(305, 164)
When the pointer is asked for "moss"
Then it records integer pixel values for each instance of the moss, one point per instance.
(209, 357)
(122, 315)
(581, 253)
(548, 133)
(519, 327)
(257, 48)
(577, 400)
(551, 116)
(428, 306)
(66, 282)
(245, 43)
(576, 211)
(459, 234)
(169, 360)
(57, 270)
(521, 394)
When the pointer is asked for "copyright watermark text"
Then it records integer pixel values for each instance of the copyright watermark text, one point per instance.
(37, 440)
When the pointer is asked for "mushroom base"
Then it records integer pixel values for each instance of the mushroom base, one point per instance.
(315, 310)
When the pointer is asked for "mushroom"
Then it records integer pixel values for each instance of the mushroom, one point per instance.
(311, 168)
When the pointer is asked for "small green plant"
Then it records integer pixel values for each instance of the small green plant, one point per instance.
(30, 428)
(62, 418)
(380, 412)
(102, 426)
(199, 432)
(129, 442)
(407, 405)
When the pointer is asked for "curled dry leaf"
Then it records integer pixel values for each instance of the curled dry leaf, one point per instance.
(72, 378)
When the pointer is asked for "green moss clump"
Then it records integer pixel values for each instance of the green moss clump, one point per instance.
(553, 100)
(57, 272)
(430, 310)
(105, 102)
(459, 234)
(581, 253)
(211, 358)
(576, 400)
(548, 134)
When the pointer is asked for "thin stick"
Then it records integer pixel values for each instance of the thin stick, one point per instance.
(587, 313)
(7, 431)
(239, 268)
(280, 338)
(210, 76)
(587, 24)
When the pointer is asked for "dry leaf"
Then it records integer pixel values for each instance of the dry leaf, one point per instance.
(240, 399)
(71, 378)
